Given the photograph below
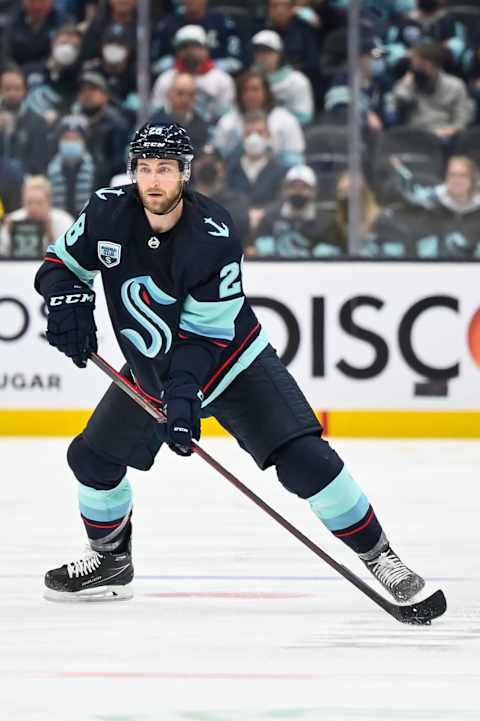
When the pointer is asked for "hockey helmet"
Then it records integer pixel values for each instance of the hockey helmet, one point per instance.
(155, 140)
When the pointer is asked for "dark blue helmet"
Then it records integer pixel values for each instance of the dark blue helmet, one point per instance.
(154, 140)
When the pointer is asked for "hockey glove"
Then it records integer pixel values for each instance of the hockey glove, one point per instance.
(71, 326)
(183, 416)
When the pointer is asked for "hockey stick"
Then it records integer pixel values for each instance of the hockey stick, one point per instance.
(421, 613)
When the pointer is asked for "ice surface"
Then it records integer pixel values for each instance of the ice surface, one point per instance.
(233, 619)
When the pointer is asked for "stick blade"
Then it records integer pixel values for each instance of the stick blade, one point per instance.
(423, 612)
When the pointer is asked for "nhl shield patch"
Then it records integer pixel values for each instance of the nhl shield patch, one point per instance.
(109, 253)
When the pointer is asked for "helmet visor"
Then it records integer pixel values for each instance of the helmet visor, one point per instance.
(165, 166)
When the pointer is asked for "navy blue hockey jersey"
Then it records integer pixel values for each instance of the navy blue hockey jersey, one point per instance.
(175, 299)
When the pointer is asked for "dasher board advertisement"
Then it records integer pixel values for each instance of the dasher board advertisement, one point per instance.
(356, 335)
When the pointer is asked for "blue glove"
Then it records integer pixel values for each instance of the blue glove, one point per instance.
(182, 405)
(71, 326)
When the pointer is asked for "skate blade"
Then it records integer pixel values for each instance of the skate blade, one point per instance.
(415, 595)
(91, 595)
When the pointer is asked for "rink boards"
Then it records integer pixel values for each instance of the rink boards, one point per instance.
(380, 349)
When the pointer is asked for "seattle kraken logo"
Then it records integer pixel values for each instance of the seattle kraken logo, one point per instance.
(138, 308)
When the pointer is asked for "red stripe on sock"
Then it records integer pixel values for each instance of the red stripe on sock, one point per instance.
(103, 525)
(356, 530)
(54, 260)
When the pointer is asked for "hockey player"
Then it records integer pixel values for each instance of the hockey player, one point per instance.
(170, 261)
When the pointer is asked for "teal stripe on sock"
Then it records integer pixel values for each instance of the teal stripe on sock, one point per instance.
(104, 515)
(338, 498)
(105, 505)
(348, 519)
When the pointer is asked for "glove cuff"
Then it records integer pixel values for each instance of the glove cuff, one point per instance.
(69, 293)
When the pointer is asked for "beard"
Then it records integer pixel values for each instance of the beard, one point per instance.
(159, 204)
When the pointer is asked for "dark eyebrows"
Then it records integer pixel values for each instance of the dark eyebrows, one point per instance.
(162, 161)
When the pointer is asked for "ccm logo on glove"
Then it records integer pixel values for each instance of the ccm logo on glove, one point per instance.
(72, 298)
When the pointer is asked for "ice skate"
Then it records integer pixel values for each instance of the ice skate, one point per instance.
(395, 577)
(94, 577)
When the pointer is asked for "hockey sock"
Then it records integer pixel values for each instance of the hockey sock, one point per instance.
(106, 515)
(347, 513)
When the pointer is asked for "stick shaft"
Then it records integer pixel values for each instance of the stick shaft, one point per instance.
(156, 413)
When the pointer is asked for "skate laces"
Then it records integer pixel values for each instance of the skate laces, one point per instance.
(89, 562)
(389, 569)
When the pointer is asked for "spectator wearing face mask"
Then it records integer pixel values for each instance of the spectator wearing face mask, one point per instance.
(294, 227)
(224, 40)
(300, 41)
(180, 108)
(256, 173)
(210, 179)
(28, 231)
(53, 84)
(23, 132)
(111, 15)
(116, 64)
(71, 171)
(254, 94)
(430, 98)
(107, 129)
(291, 88)
(28, 34)
(215, 88)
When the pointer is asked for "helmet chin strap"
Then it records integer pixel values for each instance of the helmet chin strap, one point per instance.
(173, 206)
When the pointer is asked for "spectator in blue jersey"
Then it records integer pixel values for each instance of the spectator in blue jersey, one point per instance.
(53, 84)
(180, 108)
(71, 171)
(291, 88)
(254, 94)
(256, 173)
(438, 26)
(107, 129)
(300, 44)
(223, 38)
(378, 109)
(432, 99)
(113, 13)
(295, 227)
(23, 133)
(29, 32)
(429, 21)
(215, 88)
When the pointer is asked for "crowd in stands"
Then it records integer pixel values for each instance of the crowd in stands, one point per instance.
(263, 88)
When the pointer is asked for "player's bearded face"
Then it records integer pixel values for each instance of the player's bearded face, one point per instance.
(159, 183)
